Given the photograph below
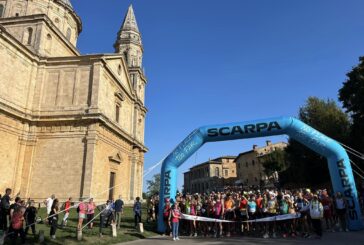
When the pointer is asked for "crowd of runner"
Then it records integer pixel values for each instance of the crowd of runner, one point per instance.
(18, 216)
(305, 212)
(314, 210)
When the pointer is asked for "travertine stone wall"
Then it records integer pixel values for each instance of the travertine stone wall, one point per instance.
(58, 163)
(8, 152)
(58, 128)
(15, 86)
(110, 146)
(108, 90)
(64, 87)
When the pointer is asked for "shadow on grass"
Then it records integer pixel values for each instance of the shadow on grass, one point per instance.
(67, 235)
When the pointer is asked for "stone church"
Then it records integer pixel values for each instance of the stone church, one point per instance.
(70, 124)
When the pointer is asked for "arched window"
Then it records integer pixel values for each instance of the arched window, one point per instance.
(56, 20)
(69, 33)
(1, 10)
(29, 32)
(119, 69)
(217, 172)
(48, 45)
(126, 56)
(134, 79)
(117, 112)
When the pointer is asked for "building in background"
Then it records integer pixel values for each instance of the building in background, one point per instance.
(212, 175)
(249, 165)
(70, 124)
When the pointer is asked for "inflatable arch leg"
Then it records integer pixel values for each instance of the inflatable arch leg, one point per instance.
(338, 160)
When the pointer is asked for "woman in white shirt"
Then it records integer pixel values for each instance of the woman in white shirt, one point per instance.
(340, 207)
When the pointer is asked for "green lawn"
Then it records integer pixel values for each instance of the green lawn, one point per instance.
(67, 235)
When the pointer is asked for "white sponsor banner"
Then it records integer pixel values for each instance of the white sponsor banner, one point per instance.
(199, 218)
(278, 218)
(267, 219)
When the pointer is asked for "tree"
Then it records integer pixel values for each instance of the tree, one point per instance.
(352, 97)
(144, 195)
(305, 166)
(153, 185)
(275, 161)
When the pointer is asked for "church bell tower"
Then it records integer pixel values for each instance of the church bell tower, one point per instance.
(129, 42)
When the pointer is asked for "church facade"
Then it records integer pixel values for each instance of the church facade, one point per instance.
(70, 124)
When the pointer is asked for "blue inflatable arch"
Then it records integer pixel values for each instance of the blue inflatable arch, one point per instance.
(338, 160)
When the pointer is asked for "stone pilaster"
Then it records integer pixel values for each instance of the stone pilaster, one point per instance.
(90, 142)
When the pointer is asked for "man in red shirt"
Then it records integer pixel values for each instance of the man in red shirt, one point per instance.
(259, 202)
(243, 208)
(67, 207)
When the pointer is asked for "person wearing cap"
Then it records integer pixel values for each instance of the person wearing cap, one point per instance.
(316, 212)
(103, 209)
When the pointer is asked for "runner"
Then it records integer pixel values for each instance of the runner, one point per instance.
(66, 208)
(175, 216)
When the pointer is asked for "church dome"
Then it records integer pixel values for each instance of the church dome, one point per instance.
(67, 2)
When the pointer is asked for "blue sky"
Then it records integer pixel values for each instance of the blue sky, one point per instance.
(214, 61)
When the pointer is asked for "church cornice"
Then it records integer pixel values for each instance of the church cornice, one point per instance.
(40, 18)
(127, 41)
(94, 58)
(56, 61)
(141, 106)
(77, 117)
